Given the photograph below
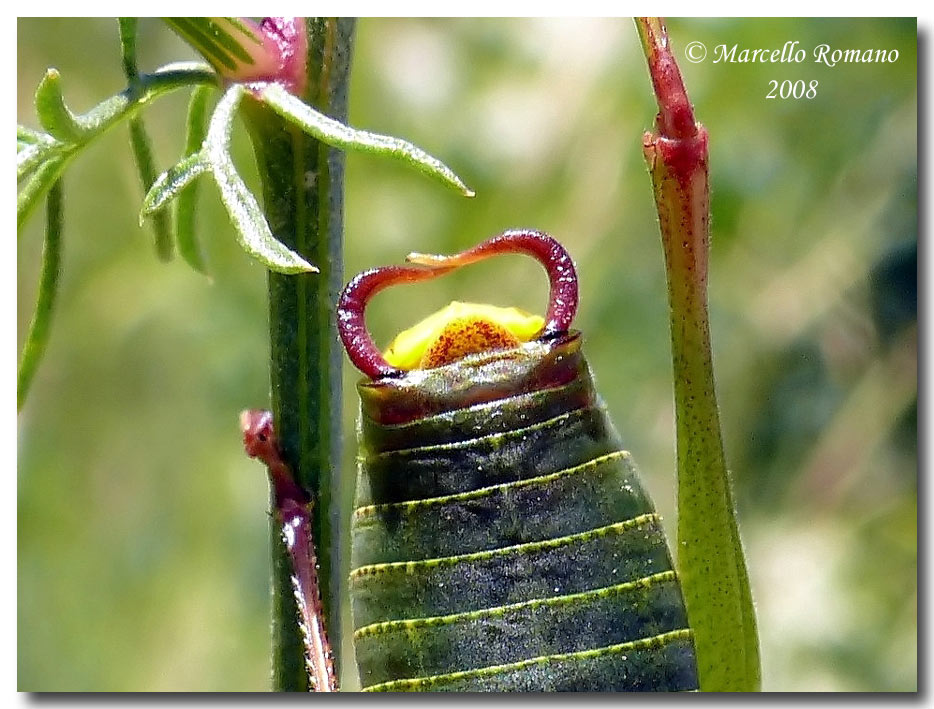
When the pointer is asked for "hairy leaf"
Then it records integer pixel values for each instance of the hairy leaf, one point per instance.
(29, 136)
(252, 229)
(30, 155)
(52, 111)
(171, 182)
(335, 133)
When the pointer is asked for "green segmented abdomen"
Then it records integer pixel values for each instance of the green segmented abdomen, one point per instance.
(508, 545)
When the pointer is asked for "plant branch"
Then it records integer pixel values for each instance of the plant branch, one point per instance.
(38, 335)
(41, 162)
(711, 563)
(127, 27)
(139, 138)
(303, 202)
(145, 163)
(294, 514)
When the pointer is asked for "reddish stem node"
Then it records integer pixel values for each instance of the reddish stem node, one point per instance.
(562, 299)
(259, 441)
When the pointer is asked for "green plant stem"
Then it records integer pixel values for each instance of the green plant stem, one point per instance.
(127, 27)
(711, 563)
(303, 201)
(38, 335)
(145, 162)
(139, 137)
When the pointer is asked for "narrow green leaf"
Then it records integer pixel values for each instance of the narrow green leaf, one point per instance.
(38, 335)
(28, 158)
(251, 227)
(30, 136)
(142, 149)
(38, 183)
(168, 185)
(30, 155)
(52, 111)
(27, 155)
(250, 224)
(341, 136)
(32, 148)
(127, 27)
(185, 207)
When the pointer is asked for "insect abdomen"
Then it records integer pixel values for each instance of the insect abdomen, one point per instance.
(508, 545)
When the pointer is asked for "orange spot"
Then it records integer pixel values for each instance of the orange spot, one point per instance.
(466, 336)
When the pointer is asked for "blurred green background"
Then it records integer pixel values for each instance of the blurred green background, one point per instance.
(142, 528)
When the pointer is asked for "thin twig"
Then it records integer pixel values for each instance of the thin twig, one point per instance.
(38, 335)
(294, 509)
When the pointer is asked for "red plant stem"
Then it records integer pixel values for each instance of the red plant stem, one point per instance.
(293, 509)
(677, 155)
(562, 298)
(676, 116)
(711, 563)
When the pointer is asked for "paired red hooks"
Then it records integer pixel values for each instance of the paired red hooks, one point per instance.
(562, 299)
